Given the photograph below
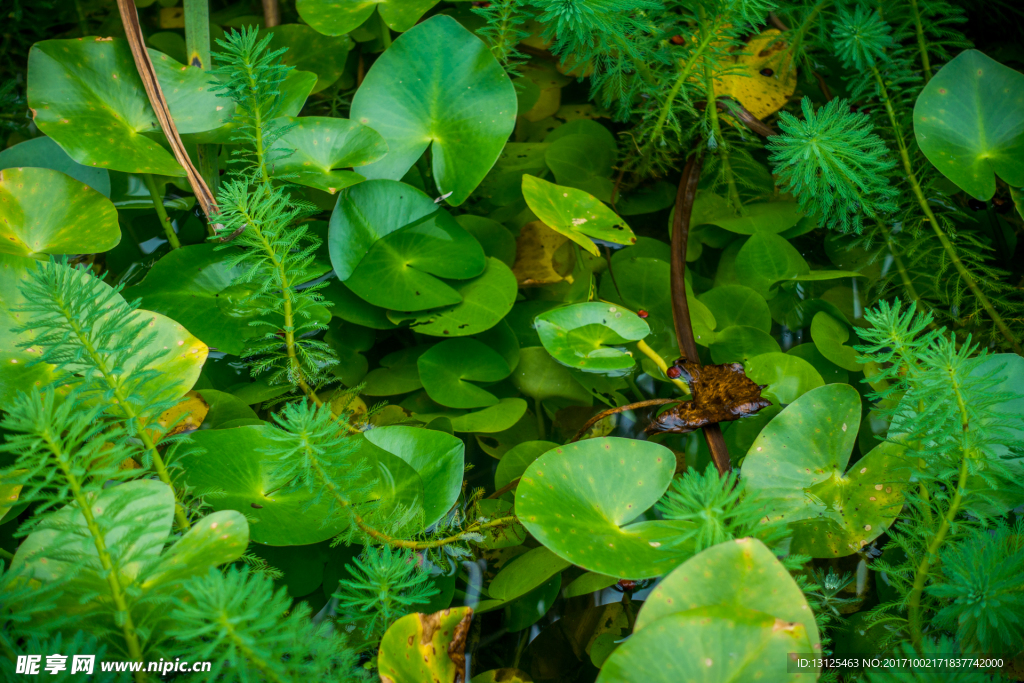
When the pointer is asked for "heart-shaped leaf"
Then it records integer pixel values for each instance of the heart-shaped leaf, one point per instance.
(797, 467)
(578, 500)
(320, 145)
(786, 377)
(43, 211)
(486, 300)
(439, 459)
(583, 336)
(740, 573)
(338, 17)
(234, 463)
(576, 214)
(439, 86)
(722, 644)
(448, 369)
(311, 51)
(43, 152)
(969, 122)
(88, 97)
(493, 418)
(829, 336)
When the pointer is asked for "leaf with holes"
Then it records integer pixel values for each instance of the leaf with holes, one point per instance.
(740, 573)
(576, 214)
(969, 122)
(43, 211)
(797, 467)
(584, 336)
(320, 146)
(438, 86)
(579, 501)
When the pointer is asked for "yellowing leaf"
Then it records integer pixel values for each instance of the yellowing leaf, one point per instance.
(550, 83)
(188, 414)
(537, 256)
(9, 495)
(765, 78)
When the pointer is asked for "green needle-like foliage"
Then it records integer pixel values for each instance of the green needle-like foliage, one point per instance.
(383, 586)
(983, 582)
(834, 164)
(941, 647)
(717, 508)
(504, 30)
(253, 633)
(861, 37)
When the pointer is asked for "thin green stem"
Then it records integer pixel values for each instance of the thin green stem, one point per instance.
(249, 656)
(6, 555)
(716, 128)
(922, 42)
(922, 201)
(112, 571)
(796, 37)
(161, 212)
(660, 362)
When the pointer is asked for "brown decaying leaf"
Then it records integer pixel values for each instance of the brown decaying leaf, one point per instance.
(720, 393)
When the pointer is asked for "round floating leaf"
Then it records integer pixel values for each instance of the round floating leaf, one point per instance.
(580, 336)
(338, 17)
(969, 122)
(787, 377)
(234, 463)
(576, 214)
(526, 611)
(486, 300)
(448, 368)
(541, 377)
(764, 259)
(494, 237)
(526, 572)
(350, 308)
(425, 647)
(829, 371)
(438, 85)
(514, 463)
(492, 419)
(312, 51)
(583, 162)
(738, 344)
(88, 97)
(193, 284)
(439, 459)
(43, 152)
(740, 573)
(398, 373)
(764, 218)
(320, 145)
(829, 335)
(737, 305)
(43, 211)
(719, 644)
(216, 539)
(797, 468)
(577, 498)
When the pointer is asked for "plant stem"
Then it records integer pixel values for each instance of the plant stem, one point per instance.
(922, 43)
(930, 217)
(662, 365)
(538, 408)
(113, 573)
(128, 409)
(385, 31)
(612, 411)
(271, 14)
(6, 555)
(161, 212)
(249, 655)
(426, 545)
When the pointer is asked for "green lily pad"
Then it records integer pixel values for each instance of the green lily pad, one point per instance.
(737, 305)
(345, 304)
(514, 462)
(541, 377)
(495, 238)
(576, 214)
(234, 463)
(787, 377)
(225, 408)
(439, 86)
(398, 373)
(526, 572)
(829, 371)
(439, 459)
(88, 97)
(43, 211)
(969, 122)
(43, 152)
(722, 644)
(579, 499)
(829, 335)
(738, 344)
(492, 419)
(216, 539)
(312, 51)
(582, 336)
(583, 162)
(486, 300)
(193, 284)
(338, 17)
(504, 183)
(321, 145)
(740, 573)
(448, 369)
(764, 259)
(765, 218)
(797, 468)
(425, 647)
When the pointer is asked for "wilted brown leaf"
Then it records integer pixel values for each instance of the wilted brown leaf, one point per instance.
(720, 393)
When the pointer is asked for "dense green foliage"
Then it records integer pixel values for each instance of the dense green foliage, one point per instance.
(367, 369)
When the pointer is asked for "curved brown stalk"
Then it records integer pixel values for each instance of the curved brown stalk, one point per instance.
(621, 409)
(680, 307)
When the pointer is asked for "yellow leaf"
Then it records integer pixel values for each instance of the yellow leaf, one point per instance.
(765, 78)
(539, 260)
(550, 82)
(188, 414)
(172, 17)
